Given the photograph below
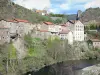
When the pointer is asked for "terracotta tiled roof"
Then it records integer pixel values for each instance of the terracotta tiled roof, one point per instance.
(64, 32)
(11, 21)
(43, 30)
(2, 27)
(48, 23)
(64, 25)
(18, 20)
(95, 40)
(38, 11)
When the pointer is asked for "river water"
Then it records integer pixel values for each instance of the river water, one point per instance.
(65, 68)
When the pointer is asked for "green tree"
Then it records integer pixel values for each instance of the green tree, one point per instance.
(92, 27)
(58, 21)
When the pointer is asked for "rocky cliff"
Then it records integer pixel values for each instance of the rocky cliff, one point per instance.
(90, 15)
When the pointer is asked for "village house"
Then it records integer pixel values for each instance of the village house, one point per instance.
(48, 29)
(17, 27)
(72, 30)
(42, 12)
(43, 34)
(41, 31)
(63, 34)
(12, 25)
(66, 33)
(70, 24)
(78, 31)
(20, 27)
(77, 28)
(70, 38)
(96, 43)
(53, 29)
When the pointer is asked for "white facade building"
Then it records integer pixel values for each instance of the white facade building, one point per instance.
(70, 38)
(78, 31)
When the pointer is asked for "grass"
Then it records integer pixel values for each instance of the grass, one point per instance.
(12, 51)
(34, 46)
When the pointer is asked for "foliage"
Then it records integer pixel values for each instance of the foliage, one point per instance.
(58, 21)
(7, 54)
(40, 53)
(35, 46)
(12, 51)
(58, 18)
(91, 26)
(56, 15)
(89, 42)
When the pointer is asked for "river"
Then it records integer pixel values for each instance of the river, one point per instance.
(65, 68)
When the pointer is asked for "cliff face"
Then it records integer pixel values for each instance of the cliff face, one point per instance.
(91, 14)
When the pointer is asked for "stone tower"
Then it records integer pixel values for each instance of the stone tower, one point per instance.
(78, 15)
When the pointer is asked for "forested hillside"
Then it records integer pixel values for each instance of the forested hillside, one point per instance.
(10, 10)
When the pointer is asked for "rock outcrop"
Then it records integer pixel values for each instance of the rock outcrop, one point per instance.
(21, 50)
(92, 70)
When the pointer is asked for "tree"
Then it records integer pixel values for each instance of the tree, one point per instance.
(92, 27)
(89, 42)
(58, 21)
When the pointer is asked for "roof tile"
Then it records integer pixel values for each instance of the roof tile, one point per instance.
(48, 23)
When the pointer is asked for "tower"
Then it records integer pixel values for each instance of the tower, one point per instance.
(78, 15)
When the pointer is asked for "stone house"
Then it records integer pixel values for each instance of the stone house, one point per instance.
(70, 24)
(63, 33)
(49, 29)
(43, 26)
(4, 35)
(43, 34)
(20, 27)
(66, 34)
(42, 30)
(53, 29)
(77, 29)
(96, 43)
(17, 27)
(12, 25)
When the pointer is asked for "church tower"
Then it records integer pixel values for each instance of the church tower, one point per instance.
(78, 15)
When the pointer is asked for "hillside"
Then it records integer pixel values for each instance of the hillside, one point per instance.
(72, 17)
(91, 14)
(10, 10)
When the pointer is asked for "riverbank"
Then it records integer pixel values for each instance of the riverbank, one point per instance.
(72, 67)
(92, 70)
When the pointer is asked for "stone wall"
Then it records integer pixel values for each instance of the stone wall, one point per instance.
(4, 35)
(11, 29)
